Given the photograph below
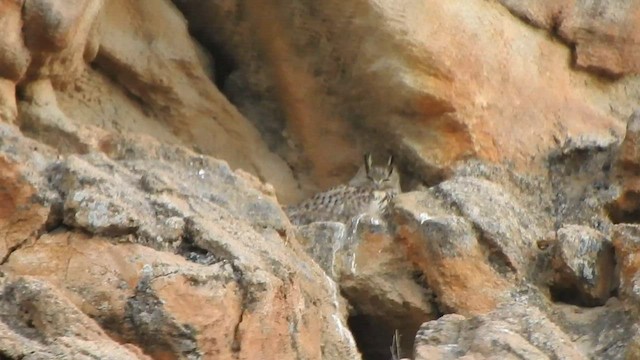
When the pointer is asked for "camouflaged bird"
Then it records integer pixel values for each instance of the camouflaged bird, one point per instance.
(369, 191)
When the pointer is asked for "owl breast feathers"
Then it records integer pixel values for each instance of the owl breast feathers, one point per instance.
(368, 192)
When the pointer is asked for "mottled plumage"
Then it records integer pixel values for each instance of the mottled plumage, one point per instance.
(369, 191)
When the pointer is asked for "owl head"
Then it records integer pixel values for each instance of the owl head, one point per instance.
(377, 177)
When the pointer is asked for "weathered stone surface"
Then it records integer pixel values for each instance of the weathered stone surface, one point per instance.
(51, 47)
(406, 87)
(57, 35)
(375, 277)
(8, 105)
(445, 248)
(581, 180)
(172, 199)
(585, 265)
(602, 332)
(529, 334)
(325, 243)
(39, 322)
(626, 207)
(505, 227)
(109, 200)
(629, 152)
(142, 194)
(42, 119)
(531, 328)
(633, 348)
(14, 57)
(626, 241)
(179, 92)
(601, 32)
(25, 200)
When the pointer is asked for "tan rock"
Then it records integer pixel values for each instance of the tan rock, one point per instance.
(8, 105)
(167, 305)
(20, 218)
(57, 35)
(626, 167)
(585, 265)
(446, 250)
(244, 290)
(427, 80)
(633, 348)
(178, 92)
(116, 220)
(25, 210)
(33, 309)
(507, 333)
(14, 57)
(375, 276)
(42, 118)
(63, 38)
(626, 241)
(604, 39)
(503, 222)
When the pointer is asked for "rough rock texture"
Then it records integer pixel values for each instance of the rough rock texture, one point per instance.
(39, 322)
(581, 176)
(446, 249)
(602, 32)
(626, 241)
(170, 75)
(146, 149)
(454, 336)
(584, 264)
(425, 79)
(243, 273)
(383, 287)
(626, 207)
(535, 331)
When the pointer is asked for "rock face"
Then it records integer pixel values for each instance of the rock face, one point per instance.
(146, 152)
(527, 332)
(89, 244)
(454, 336)
(39, 322)
(584, 263)
(375, 276)
(599, 31)
(404, 80)
(625, 240)
(626, 206)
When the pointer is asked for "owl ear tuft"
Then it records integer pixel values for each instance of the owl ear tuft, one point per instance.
(367, 163)
(390, 165)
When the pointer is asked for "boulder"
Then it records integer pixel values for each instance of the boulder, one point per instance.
(584, 266)
(626, 242)
(39, 322)
(597, 31)
(189, 271)
(385, 290)
(446, 250)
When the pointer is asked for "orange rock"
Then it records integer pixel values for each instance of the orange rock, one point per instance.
(626, 242)
(171, 307)
(426, 80)
(21, 217)
(604, 41)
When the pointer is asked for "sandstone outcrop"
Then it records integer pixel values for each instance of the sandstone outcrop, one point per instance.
(188, 268)
(424, 79)
(601, 32)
